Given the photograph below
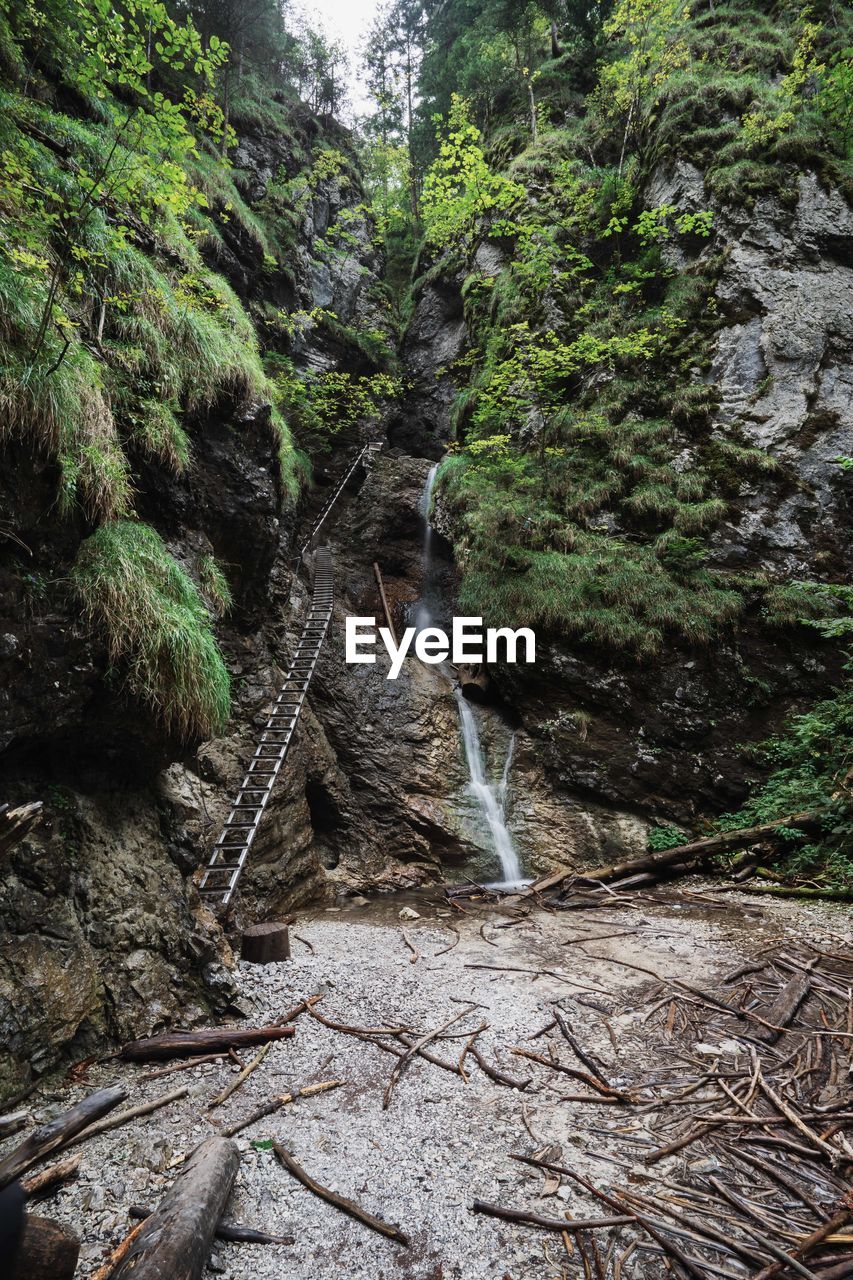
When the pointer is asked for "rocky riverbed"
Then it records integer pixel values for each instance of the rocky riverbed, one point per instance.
(442, 1141)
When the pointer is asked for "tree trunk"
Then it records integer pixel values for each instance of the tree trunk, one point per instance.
(266, 943)
(48, 1251)
(56, 1133)
(176, 1240)
(691, 853)
(413, 176)
(186, 1043)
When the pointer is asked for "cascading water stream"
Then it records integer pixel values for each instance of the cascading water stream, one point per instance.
(490, 799)
(423, 615)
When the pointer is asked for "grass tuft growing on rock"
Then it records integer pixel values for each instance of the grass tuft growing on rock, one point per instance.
(156, 626)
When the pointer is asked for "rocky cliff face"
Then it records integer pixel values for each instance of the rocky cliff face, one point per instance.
(619, 741)
(99, 931)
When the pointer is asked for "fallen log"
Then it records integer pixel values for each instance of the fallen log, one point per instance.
(48, 1251)
(46, 1182)
(340, 1202)
(12, 1123)
(184, 1043)
(695, 851)
(234, 1232)
(59, 1132)
(784, 1007)
(176, 1240)
(116, 1255)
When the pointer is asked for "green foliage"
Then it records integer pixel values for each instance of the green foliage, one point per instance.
(810, 762)
(160, 435)
(320, 406)
(811, 768)
(460, 189)
(214, 586)
(664, 837)
(94, 331)
(652, 35)
(156, 627)
(528, 565)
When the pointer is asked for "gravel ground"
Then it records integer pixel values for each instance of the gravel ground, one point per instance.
(441, 1143)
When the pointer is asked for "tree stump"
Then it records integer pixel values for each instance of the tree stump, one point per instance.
(49, 1251)
(266, 943)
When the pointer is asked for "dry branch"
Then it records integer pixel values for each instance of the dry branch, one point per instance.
(548, 1224)
(132, 1113)
(276, 1104)
(46, 1182)
(241, 1078)
(403, 1062)
(340, 1202)
(234, 1232)
(617, 1095)
(16, 823)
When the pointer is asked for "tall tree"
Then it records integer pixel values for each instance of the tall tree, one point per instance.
(405, 32)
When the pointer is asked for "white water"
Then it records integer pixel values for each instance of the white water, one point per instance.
(491, 799)
(423, 615)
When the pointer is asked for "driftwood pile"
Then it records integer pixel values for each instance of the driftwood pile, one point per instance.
(741, 1157)
(756, 1129)
(600, 886)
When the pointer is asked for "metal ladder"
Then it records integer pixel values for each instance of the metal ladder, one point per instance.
(365, 456)
(231, 850)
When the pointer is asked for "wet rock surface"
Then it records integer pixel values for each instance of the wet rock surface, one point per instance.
(100, 932)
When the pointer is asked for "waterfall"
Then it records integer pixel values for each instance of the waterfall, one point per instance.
(423, 614)
(490, 799)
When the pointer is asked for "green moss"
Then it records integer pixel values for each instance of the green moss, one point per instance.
(156, 627)
(599, 587)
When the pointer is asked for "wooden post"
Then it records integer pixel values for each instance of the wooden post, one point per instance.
(176, 1240)
(49, 1251)
(266, 943)
(383, 598)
